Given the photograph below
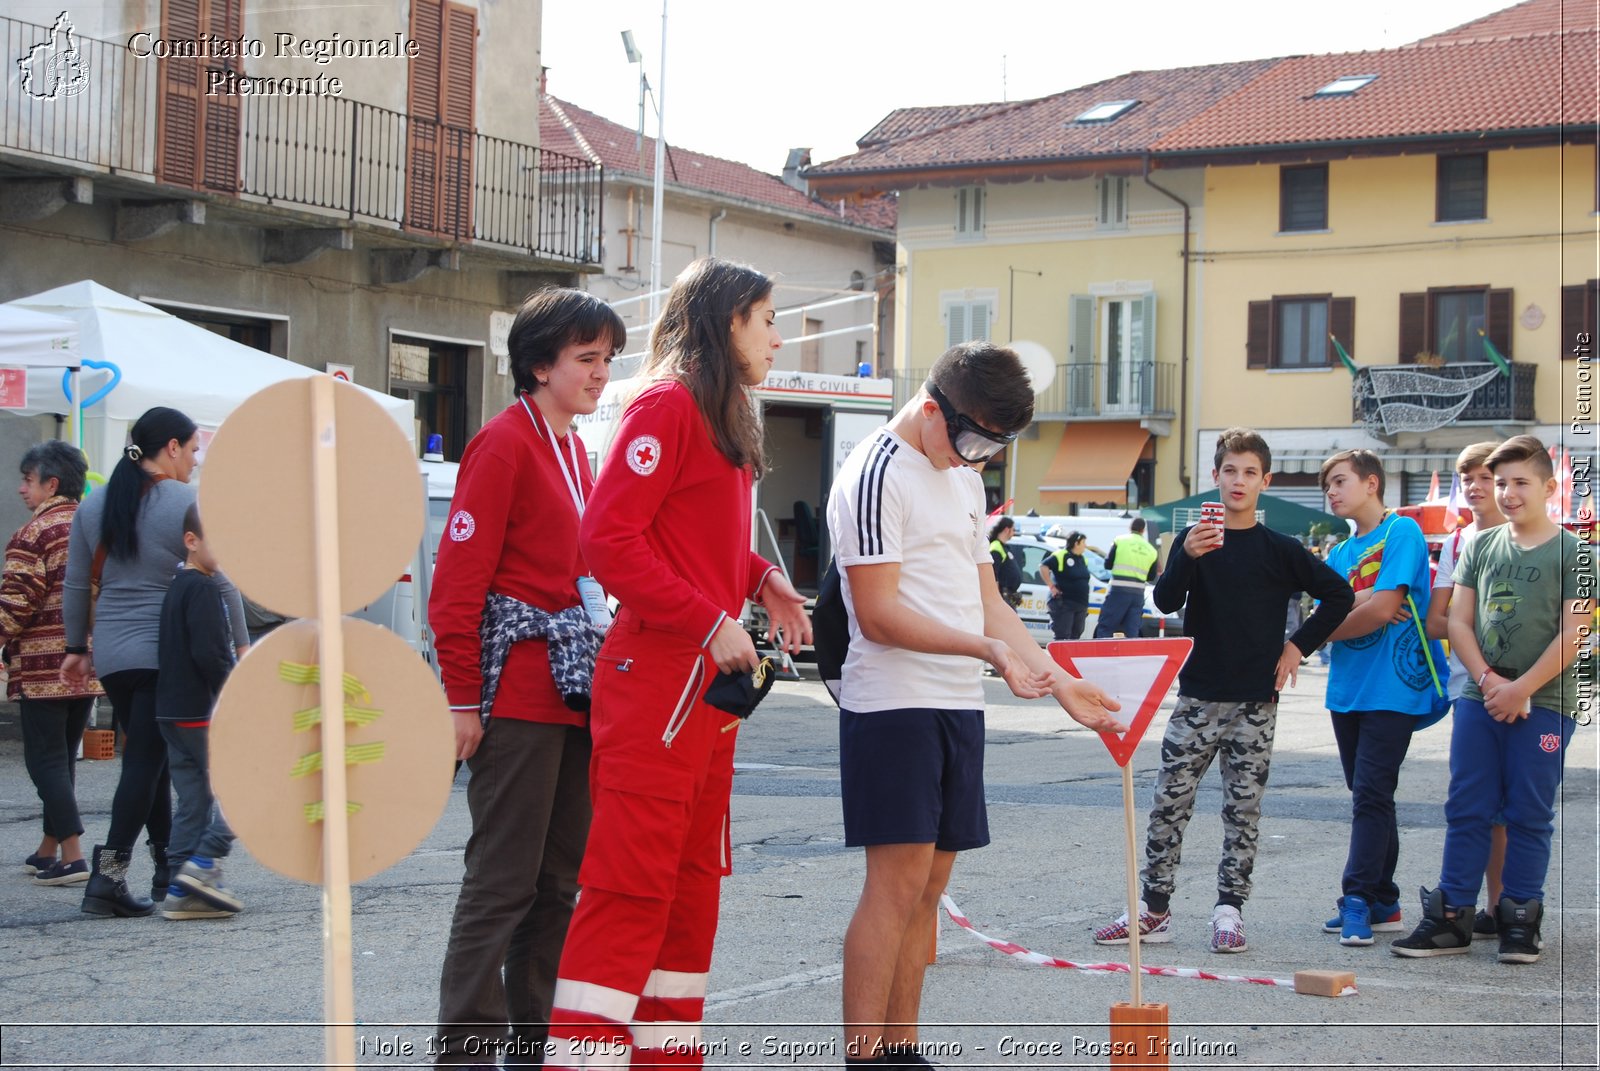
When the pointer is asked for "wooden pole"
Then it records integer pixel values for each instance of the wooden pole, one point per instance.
(337, 981)
(1133, 884)
(1138, 1030)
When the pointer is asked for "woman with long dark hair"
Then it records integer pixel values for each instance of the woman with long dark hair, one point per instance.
(125, 548)
(668, 532)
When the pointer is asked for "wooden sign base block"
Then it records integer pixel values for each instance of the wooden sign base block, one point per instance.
(1138, 1035)
(1323, 983)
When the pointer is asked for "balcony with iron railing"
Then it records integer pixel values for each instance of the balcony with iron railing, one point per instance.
(1503, 399)
(97, 111)
(1089, 390)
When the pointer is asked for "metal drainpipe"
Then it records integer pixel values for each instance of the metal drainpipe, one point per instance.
(719, 217)
(1183, 339)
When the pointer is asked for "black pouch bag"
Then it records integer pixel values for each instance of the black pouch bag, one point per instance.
(738, 693)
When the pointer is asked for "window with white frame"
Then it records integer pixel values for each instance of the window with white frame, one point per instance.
(967, 317)
(969, 211)
(1112, 198)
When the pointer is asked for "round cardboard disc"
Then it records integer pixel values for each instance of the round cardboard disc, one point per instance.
(256, 498)
(255, 750)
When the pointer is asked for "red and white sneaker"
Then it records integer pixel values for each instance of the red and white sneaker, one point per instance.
(1153, 929)
(1227, 929)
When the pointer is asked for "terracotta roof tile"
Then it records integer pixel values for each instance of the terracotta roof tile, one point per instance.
(567, 128)
(1466, 86)
(1534, 16)
(1044, 129)
(903, 122)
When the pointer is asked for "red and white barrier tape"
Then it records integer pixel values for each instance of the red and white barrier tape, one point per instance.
(1038, 959)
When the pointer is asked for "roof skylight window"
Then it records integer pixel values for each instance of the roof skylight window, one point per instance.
(1341, 87)
(1105, 111)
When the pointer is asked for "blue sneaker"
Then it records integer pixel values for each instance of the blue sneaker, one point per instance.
(1386, 918)
(1357, 925)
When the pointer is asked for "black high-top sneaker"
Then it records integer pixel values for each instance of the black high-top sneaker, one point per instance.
(1437, 934)
(1519, 930)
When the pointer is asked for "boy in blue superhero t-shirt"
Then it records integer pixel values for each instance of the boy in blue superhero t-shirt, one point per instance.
(1382, 685)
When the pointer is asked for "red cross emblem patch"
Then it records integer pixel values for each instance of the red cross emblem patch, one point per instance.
(1550, 742)
(644, 454)
(462, 526)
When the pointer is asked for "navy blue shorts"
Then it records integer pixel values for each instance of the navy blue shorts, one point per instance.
(913, 776)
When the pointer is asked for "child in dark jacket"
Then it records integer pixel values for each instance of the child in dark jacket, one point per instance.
(196, 652)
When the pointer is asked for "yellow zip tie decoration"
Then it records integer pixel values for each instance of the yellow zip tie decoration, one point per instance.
(315, 812)
(359, 716)
(308, 673)
(354, 755)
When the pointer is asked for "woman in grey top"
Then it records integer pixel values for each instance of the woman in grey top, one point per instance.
(130, 538)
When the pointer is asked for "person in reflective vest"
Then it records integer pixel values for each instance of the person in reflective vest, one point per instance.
(1067, 574)
(1132, 562)
(1007, 569)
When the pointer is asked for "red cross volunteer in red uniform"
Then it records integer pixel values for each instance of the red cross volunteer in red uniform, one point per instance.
(667, 532)
(510, 554)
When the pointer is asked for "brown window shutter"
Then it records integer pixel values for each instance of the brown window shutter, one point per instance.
(1413, 326)
(423, 114)
(220, 158)
(180, 117)
(1258, 336)
(1574, 301)
(1497, 321)
(457, 108)
(1342, 325)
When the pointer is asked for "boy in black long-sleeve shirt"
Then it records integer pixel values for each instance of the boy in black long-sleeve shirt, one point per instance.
(1237, 591)
(196, 655)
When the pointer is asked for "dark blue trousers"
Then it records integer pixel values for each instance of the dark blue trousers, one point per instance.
(1123, 611)
(1372, 745)
(1519, 764)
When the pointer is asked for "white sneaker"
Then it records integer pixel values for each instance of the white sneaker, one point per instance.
(1227, 929)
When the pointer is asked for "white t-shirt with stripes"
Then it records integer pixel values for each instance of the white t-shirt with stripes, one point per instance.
(889, 504)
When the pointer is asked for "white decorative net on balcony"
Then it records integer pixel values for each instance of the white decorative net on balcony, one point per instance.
(1393, 400)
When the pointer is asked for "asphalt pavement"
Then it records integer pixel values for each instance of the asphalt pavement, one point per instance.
(246, 992)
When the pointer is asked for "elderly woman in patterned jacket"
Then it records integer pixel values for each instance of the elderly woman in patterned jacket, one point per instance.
(54, 713)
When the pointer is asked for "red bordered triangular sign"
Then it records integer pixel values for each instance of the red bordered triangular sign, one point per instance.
(1136, 673)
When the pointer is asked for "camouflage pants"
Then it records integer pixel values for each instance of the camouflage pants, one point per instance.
(1241, 733)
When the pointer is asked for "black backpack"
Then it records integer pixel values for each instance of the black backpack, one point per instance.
(830, 630)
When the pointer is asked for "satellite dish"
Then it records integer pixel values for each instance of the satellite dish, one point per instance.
(1040, 364)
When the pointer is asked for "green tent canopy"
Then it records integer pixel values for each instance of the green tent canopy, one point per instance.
(1282, 515)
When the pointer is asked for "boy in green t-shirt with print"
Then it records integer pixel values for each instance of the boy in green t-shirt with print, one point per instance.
(1522, 593)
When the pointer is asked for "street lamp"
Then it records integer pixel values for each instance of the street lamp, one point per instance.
(635, 56)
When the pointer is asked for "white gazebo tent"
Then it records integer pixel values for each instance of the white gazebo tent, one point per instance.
(162, 360)
(39, 343)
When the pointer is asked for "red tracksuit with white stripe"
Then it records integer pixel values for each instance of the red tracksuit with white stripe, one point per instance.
(667, 532)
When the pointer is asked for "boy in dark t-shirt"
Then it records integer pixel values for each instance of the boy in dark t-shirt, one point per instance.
(196, 656)
(1237, 589)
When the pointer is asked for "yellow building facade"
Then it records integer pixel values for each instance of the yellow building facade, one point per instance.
(1383, 240)
(1044, 270)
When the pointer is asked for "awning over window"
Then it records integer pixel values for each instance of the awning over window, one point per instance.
(1093, 463)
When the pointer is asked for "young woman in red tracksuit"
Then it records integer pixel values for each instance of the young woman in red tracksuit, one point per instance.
(668, 532)
(509, 558)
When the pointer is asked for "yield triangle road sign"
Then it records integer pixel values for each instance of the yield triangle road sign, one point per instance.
(1136, 673)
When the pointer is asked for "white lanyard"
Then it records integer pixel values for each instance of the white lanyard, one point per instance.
(574, 485)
